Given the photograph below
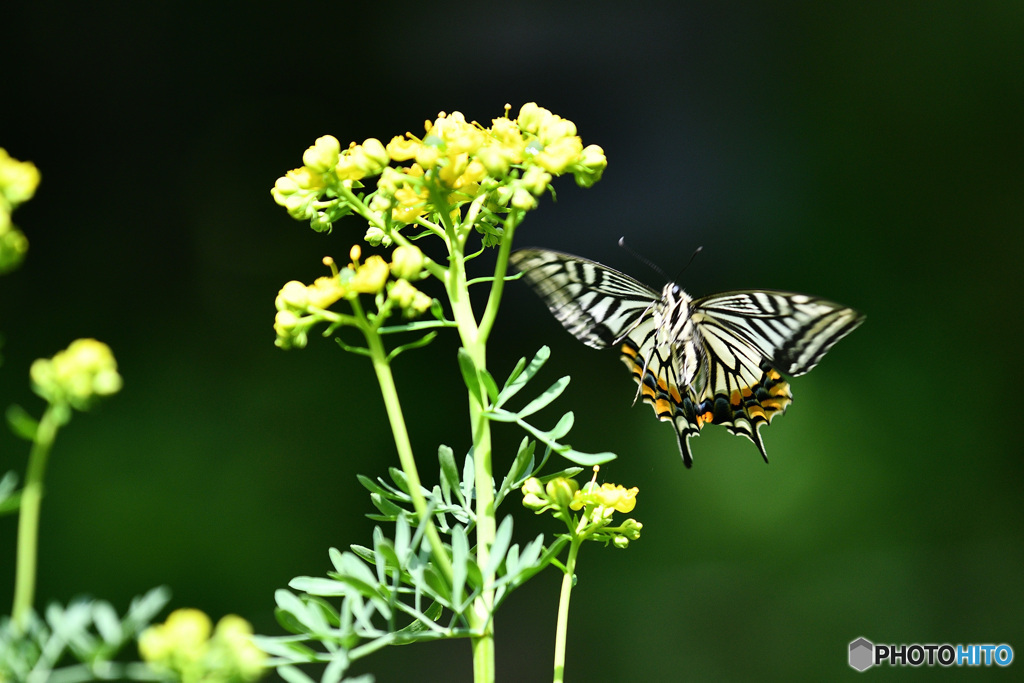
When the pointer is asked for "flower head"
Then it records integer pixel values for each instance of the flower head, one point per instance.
(183, 645)
(77, 376)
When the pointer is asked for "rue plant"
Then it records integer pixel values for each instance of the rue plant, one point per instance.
(443, 559)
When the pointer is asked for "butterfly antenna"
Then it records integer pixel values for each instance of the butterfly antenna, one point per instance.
(688, 263)
(642, 259)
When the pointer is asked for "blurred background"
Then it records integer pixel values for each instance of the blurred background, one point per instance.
(871, 154)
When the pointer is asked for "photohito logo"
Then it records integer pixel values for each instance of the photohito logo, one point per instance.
(864, 654)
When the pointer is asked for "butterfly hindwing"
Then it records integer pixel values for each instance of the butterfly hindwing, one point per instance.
(716, 359)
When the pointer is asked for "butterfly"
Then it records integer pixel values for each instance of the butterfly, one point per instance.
(718, 359)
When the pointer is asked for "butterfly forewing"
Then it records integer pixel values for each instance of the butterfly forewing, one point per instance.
(715, 359)
(595, 304)
(793, 331)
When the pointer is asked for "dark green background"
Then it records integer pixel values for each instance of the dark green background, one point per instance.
(871, 153)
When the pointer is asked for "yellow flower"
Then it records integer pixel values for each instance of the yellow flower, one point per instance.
(77, 376)
(531, 117)
(370, 276)
(610, 496)
(18, 180)
(183, 645)
(400, 149)
(325, 291)
(411, 300)
(322, 155)
(558, 155)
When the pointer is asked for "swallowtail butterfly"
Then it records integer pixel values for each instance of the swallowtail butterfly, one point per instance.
(719, 359)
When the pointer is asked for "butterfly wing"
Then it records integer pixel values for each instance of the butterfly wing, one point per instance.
(791, 331)
(722, 365)
(596, 304)
(745, 339)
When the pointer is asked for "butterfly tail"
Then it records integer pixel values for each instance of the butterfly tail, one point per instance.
(684, 446)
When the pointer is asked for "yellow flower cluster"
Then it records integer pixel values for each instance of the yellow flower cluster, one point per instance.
(611, 496)
(301, 306)
(598, 503)
(184, 646)
(456, 160)
(78, 375)
(18, 182)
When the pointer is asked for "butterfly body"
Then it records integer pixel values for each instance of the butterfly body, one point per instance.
(715, 360)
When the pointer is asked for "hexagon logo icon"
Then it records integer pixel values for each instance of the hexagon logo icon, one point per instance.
(862, 654)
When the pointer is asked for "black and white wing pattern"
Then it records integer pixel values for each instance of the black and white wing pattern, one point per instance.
(696, 361)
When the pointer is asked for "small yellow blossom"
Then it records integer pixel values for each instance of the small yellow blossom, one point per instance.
(559, 154)
(325, 291)
(292, 296)
(401, 149)
(370, 276)
(411, 300)
(183, 645)
(607, 495)
(18, 181)
(322, 155)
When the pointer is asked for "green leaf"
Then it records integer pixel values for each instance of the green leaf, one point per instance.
(284, 646)
(518, 380)
(449, 472)
(588, 459)
(402, 537)
(371, 485)
(502, 539)
(562, 427)
(389, 509)
(22, 424)
(398, 476)
(108, 624)
(336, 669)
(489, 384)
(292, 675)
(9, 500)
(468, 477)
(549, 395)
(316, 585)
(433, 613)
(460, 559)
(469, 375)
(520, 467)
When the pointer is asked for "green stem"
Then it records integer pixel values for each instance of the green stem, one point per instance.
(479, 616)
(28, 516)
(498, 286)
(563, 609)
(402, 443)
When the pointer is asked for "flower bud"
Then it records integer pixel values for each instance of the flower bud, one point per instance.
(407, 262)
(18, 179)
(292, 297)
(522, 199)
(496, 159)
(561, 490)
(531, 117)
(536, 180)
(77, 376)
(373, 157)
(323, 155)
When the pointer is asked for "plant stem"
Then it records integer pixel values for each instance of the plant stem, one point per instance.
(475, 345)
(405, 455)
(563, 609)
(28, 517)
